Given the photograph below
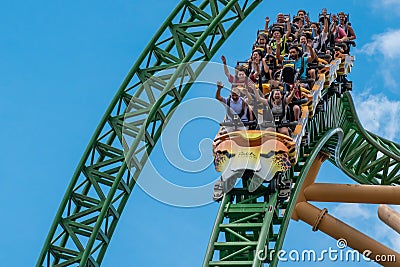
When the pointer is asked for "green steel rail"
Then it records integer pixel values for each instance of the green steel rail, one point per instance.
(103, 181)
(364, 157)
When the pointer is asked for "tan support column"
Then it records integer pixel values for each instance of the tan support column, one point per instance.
(320, 220)
(353, 193)
(390, 217)
(310, 178)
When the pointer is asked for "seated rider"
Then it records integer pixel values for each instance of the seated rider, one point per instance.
(280, 35)
(278, 105)
(257, 67)
(239, 78)
(261, 42)
(346, 26)
(236, 106)
(300, 61)
(270, 60)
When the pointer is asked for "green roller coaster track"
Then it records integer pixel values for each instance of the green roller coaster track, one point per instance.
(103, 181)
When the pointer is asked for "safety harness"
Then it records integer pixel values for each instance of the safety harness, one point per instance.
(283, 103)
(229, 112)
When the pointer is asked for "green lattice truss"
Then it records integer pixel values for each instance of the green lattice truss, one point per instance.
(102, 182)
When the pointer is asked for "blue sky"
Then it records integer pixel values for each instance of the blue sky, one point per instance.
(62, 62)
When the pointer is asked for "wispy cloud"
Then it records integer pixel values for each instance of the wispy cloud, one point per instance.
(365, 219)
(385, 45)
(351, 211)
(378, 114)
(392, 5)
(387, 235)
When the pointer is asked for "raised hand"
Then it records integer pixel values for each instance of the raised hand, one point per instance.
(223, 58)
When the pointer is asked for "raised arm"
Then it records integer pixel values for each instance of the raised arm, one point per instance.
(326, 24)
(218, 93)
(313, 55)
(223, 58)
(247, 94)
(289, 29)
(259, 98)
(292, 93)
(247, 101)
(264, 65)
(308, 22)
(266, 24)
(278, 51)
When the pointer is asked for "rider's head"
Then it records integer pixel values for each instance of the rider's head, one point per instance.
(294, 52)
(240, 73)
(256, 55)
(280, 18)
(342, 17)
(277, 32)
(276, 94)
(235, 94)
(301, 13)
(303, 39)
(262, 39)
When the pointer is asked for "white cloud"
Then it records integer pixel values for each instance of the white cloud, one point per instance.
(387, 236)
(351, 211)
(385, 45)
(366, 217)
(390, 5)
(388, 78)
(378, 114)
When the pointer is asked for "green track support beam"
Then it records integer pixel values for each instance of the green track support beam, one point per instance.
(243, 228)
(103, 181)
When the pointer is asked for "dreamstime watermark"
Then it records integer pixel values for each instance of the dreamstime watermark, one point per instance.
(339, 254)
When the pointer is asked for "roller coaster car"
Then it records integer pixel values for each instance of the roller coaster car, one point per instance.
(263, 154)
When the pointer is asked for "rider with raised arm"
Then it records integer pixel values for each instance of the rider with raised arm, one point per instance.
(321, 41)
(280, 20)
(278, 105)
(239, 78)
(300, 62)
(236, 106)
(258, 67)
(338, 34)
(277, 34)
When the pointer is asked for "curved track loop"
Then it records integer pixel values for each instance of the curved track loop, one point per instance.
(101, 184)
(366, 157)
